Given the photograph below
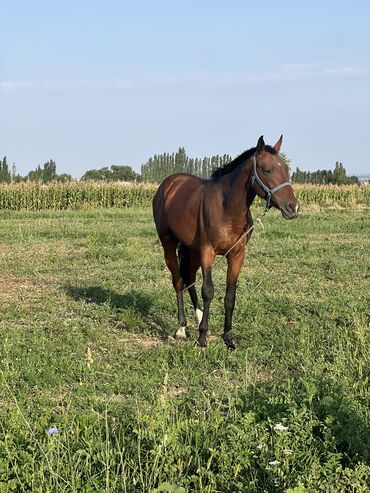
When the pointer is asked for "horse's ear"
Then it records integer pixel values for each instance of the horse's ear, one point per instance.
(278, 144)
(260, 144)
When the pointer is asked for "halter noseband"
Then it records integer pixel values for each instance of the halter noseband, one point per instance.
(269, 191)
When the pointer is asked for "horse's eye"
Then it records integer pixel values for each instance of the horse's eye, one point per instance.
(267, 171)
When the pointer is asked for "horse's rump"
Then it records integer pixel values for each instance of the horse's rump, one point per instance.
(176, 204)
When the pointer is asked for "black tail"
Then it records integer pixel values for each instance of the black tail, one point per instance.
(183, 254)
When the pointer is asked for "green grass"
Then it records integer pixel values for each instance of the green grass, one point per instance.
(86, 310)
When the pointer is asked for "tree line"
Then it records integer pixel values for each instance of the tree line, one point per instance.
(161, 165)
(44, 174)
(338, 176)
(48, 173)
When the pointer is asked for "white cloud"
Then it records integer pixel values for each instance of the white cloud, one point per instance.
(14, 86)
(282, 73)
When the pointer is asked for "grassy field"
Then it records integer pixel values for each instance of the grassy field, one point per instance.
(86, 310)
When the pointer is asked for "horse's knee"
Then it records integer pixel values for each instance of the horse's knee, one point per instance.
(177, 283)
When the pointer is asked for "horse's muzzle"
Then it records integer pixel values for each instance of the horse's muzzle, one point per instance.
(290, 210)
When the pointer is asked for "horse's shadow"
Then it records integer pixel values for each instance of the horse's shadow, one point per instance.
(140, 302)
(100, 296)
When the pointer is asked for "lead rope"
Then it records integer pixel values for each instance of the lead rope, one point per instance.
(241, 237)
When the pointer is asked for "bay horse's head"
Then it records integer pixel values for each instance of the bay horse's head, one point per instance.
(270, 179)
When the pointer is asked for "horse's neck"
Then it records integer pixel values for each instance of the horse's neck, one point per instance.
(239, 191)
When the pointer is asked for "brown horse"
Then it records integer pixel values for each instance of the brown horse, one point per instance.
(198, 219)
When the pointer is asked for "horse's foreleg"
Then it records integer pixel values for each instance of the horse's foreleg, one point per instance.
(229, 304)
(193, 267)
(234, 264)
(207, 295)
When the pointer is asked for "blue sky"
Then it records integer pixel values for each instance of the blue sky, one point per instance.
(94, 83)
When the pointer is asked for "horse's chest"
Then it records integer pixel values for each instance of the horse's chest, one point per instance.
(224, 238)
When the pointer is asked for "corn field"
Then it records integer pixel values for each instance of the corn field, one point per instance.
(74, 195)
(343, 196)
(85, 195)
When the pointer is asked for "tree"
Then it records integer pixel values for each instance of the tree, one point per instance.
(123, 173)
(15, 178)
(63, 178)
(49, 172)
(35, 175)
(101, 174)
(286, 160)
(5, 175)
(115, 173)
(181, 160)
(339, 174)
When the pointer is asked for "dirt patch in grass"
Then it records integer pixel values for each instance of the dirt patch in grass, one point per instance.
(172, 391)
(23, 288)
(135, 342)
(18, 287)
(35, 250)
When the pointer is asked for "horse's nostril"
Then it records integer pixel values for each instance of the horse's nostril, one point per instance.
(291, 206)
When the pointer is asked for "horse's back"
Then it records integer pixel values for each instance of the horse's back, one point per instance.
(176, 206)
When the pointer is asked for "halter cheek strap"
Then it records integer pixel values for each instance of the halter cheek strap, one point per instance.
(266, 189)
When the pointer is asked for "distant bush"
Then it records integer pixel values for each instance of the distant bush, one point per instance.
(114, 173)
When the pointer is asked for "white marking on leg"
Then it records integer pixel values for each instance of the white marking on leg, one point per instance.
(198, 315)
(181, 333)
(198, 318)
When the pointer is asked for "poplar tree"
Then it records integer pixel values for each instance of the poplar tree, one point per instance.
(5, 174)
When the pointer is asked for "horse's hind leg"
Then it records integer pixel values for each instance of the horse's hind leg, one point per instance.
(198, 312)
(169, 246)
(189, 265)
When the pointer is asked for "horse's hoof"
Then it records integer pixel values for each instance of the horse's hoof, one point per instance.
(201, 344)
(181, 334)
(229, 343)
(172, 341)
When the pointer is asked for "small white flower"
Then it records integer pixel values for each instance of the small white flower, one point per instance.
(280, 427)
(260, 446)
(287, 451)
(274, 463)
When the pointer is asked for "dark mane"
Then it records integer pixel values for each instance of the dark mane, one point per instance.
(235, 163)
